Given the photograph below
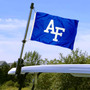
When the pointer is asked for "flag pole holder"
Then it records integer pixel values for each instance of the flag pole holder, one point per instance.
(20, 64)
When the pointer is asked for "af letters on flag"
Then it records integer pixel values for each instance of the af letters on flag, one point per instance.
(54, 30)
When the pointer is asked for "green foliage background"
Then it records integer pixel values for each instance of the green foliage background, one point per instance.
(49, 81)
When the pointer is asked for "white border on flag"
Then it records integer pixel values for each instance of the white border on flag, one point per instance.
(32, 26)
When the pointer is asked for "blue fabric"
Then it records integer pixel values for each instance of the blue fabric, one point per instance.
(45, 21)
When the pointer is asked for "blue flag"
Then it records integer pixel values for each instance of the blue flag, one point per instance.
(54, 30)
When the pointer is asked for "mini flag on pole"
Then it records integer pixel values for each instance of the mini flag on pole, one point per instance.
(54, 30)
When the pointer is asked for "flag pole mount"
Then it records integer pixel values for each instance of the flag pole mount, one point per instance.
(20, 60)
